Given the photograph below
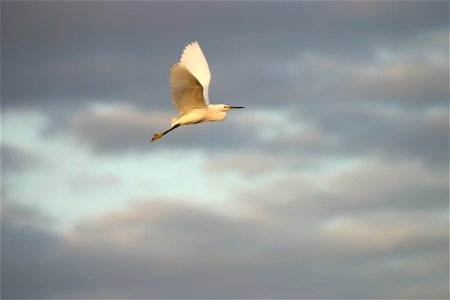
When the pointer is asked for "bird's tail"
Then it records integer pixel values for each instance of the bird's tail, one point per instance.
(174, 121)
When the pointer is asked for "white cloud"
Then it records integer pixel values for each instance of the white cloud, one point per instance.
(72, 182)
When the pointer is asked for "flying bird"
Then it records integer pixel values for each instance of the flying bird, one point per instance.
(189, 81)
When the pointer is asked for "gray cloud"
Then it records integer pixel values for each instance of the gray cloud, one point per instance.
(125, 129)
(333, 91)
(56, 63)
(161, 250)
(413, 80)
(118, 129)
(339, 132)
(377, 222)
(75, 52)
(17, 159)
(376, 186)
(323, 83)
(396, 136)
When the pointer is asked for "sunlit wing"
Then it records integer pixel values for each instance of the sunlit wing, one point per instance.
(187, 92)
(195, 61)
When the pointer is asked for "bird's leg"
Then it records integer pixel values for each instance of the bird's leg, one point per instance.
(160, 134)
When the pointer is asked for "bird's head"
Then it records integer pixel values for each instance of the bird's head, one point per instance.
(224, 107)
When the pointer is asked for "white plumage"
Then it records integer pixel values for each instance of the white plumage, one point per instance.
(187, 92)
(189, 82)
(195, 61)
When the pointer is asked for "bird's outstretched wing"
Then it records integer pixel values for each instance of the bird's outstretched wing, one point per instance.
(195, 61)
(187, 92)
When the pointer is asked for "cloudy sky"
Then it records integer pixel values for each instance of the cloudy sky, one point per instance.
(331, 183)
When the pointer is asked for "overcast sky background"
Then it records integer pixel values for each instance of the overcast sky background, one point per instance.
(331, 183)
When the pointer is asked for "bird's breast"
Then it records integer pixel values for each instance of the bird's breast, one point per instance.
(193, 117)
(215, 116)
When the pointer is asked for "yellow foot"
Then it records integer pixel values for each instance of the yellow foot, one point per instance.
(156, 136)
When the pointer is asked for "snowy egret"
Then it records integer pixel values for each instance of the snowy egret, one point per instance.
(189, 81)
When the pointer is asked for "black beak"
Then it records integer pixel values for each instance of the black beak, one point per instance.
(236, 107)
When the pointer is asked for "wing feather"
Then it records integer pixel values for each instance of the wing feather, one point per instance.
(187, 92)
(195, 61)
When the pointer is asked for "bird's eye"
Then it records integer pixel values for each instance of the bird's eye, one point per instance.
(224, 106)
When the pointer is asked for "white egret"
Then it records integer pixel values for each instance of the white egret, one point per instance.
(189, 81)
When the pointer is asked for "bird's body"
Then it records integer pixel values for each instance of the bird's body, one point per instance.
(213, 113)
(189, 81)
